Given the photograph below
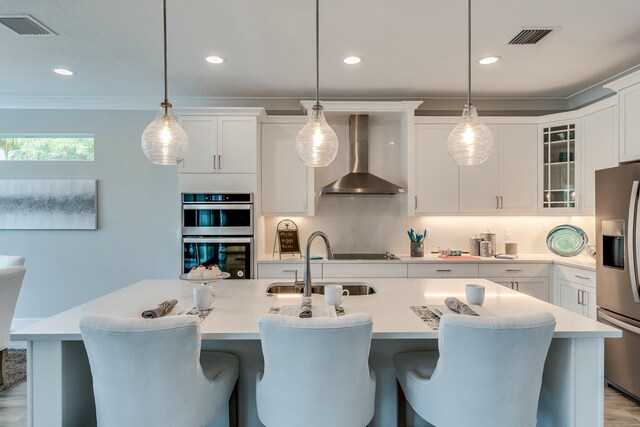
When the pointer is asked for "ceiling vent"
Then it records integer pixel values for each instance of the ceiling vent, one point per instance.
(25, 25)
(530, 36)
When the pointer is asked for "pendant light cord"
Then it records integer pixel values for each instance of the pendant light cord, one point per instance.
(317, 53)
(165, 104)
(469, 55)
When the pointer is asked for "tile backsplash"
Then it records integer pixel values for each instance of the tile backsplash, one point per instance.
(375, 224)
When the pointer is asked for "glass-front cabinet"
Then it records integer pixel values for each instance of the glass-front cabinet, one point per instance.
(559, 170)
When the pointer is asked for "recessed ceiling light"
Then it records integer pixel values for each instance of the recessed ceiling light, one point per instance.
(214, 59)
(489, 60)
(63, 72)
(352, 60)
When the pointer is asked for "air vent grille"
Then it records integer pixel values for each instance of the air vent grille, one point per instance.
(530, 36)
(25, 25)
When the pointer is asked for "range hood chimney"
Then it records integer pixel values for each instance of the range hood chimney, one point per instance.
(359, 180)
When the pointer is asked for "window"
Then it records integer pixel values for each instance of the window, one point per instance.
(46, 147)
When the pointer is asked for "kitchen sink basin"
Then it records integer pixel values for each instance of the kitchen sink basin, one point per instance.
(354, 288)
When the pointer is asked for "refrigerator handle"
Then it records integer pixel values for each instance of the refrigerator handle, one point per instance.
(619, 323)
(632, 240)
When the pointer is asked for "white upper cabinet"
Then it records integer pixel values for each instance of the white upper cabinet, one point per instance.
(629, 99)
(479, 191)
(220, 144)
(518, 171)
(506, 181)
(436, 174)
(287, 184)
(599, 151)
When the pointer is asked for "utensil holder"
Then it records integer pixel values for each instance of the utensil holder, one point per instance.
(417, 249)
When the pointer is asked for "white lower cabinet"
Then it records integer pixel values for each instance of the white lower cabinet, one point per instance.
(447, 270)
(364, 270)
(537, 287)
(575, 290)
(286, 270)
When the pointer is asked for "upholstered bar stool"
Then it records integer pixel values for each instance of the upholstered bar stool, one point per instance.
(10, 284)
(488, 372)
(150, 372)
(316, 372)
(11, 261)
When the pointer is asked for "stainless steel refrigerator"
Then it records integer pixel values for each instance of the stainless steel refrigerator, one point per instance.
(617, 272)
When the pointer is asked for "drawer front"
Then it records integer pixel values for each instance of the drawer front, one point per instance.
(576, 275)
(514, 270)
(285, 271)
(364, 270)
(443, 270)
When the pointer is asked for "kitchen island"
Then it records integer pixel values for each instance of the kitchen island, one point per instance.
(59, 380)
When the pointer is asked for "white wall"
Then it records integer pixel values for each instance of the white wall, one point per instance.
(138, 213)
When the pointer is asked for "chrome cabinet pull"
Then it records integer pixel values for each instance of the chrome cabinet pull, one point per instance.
(214, 162)
(304, 201)
(443, 271)
(501, 202)
(514, 269)
(219, 161)
(497, 202)
(582, 277)
(518, 286)
(415, 202)
(511, 285)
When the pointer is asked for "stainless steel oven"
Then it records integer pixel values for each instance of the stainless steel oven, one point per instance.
(217, 214)
(217, 228)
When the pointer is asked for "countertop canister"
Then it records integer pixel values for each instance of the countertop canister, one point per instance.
(485, 249)
(511, 248)
(489, 237)
(474, 245)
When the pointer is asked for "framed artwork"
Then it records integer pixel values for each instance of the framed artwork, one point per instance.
(48, 204)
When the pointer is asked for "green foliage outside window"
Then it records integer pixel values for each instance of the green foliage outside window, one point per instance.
(46, 148)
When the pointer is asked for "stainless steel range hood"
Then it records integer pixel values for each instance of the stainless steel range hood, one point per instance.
(359, 180)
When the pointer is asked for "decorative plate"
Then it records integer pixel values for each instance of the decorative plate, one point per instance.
(223, 275)
(567, 240)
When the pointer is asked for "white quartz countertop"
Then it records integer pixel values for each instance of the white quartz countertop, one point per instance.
(239, 304)
(583, 262)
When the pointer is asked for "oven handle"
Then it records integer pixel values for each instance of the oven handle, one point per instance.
(217, 240)
(214, 207)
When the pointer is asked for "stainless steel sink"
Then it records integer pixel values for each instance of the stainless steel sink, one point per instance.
(354, 288)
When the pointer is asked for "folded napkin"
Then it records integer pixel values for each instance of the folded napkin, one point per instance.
(305, 308)
(459, 307)
(162, 309)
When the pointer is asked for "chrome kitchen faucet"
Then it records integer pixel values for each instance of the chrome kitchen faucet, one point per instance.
(307, 261)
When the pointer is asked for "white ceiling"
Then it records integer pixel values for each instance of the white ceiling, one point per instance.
(411, 48)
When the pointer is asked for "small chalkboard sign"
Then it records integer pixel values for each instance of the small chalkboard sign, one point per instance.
(287, 239)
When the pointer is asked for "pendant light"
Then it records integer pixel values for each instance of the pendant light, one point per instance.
(471, 141)
(164, 142)
(317, 143)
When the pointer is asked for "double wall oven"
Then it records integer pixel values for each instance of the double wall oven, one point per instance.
(217, 228)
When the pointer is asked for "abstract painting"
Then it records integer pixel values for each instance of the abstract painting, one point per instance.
(48, 204)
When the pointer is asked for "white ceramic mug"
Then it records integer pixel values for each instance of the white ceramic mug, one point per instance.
(203, 296)
(474, 294)
(334, 295)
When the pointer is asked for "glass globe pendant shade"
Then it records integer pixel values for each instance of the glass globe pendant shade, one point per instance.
(164, 142)
(471, 141)
(317, 143)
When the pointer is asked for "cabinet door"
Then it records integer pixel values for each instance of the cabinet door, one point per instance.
(202, 132)
(436, 173)
(590, 307)
(535, 287)
(569, 296)
(559, 166)
(629, 101)
(284, 177)
(479, 189)
(598, 151)
(237, 144)
(518, 172)
(502, 281)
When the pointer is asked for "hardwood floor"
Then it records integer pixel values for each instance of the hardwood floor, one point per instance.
(619, 410)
